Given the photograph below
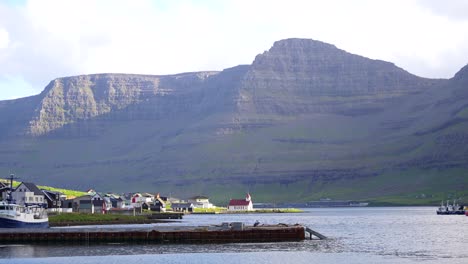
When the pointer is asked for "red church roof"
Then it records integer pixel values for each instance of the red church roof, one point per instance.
(234, 202)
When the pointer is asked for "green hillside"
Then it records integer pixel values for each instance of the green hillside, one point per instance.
(67, 192)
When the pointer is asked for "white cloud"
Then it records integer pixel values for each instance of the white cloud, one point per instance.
(454, 9)
(4, 38)
(53, 38)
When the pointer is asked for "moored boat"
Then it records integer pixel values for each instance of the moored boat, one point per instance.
(13, 215)
(18, 216)
(450, 209)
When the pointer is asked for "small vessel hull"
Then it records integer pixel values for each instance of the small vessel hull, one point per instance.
(450, 209)
(11, 223)
(451, 212)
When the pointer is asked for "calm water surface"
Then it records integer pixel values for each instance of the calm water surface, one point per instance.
(357, 235)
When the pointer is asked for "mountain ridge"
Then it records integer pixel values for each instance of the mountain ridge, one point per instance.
(305, 120)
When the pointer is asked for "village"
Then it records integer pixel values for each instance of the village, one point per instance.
(93, 202)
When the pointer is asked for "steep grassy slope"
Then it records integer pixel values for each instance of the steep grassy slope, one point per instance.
(304, 121)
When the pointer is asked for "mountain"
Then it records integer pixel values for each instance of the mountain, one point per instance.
(304, 121)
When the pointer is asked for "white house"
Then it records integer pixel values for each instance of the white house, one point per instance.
(241, 204)
(28, 194)
(140, 198)
(200, 202)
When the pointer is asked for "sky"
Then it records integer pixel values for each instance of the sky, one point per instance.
(41, 40)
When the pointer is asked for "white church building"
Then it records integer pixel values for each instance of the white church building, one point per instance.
(241, 204)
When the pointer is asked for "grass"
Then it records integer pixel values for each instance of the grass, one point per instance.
(69, 193)
(209, 210)
(417, 200)
(82, 217)
(247, 154)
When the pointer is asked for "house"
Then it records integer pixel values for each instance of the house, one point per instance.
(171, 200)
(163, 198)
(159, 204)
(83, 204)
(182, 207)
(99, 204)
(127, 200)
(90, 203)
(55, 200)
(140, 198)
(68, 204)
(4, 188)
(147, 198)
(241, 204)
(114, 200)
(200, 202)
(28, 194)
(146, 205)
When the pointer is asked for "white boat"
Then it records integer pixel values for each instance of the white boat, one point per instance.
(450, 209)
(18, 216)
(14, 215)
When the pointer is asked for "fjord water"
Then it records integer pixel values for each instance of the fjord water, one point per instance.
(356, 235)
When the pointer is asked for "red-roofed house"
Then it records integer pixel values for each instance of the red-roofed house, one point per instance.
(241, 204)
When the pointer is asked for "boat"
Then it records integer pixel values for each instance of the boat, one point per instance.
(18, 216)
(13, 215)
(450, 209)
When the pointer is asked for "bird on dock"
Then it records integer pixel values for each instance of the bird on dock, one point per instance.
(256, 223)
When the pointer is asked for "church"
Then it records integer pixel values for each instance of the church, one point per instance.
(241, 204)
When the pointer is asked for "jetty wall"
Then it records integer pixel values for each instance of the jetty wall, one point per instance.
(193, 235)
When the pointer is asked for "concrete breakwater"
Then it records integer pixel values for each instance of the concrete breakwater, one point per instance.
(235, 233)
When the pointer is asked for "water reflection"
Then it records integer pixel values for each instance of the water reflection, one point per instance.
(29, 251)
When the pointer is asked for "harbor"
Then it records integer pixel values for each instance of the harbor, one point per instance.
(418, 228)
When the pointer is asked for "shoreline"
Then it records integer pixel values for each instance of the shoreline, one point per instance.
(255, 211)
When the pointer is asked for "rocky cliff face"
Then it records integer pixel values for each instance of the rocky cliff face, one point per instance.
(295, 77)
(71, 99)
(303, 76)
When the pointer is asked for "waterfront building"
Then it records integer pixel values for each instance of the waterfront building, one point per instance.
(241, 204)
(200, 202)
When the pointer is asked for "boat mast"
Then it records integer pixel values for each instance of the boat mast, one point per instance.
(9, 197)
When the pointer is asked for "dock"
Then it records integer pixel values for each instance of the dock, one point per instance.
(225, 233)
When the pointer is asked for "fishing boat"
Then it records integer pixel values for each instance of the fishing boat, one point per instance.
(13, 215)
(450, 209)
